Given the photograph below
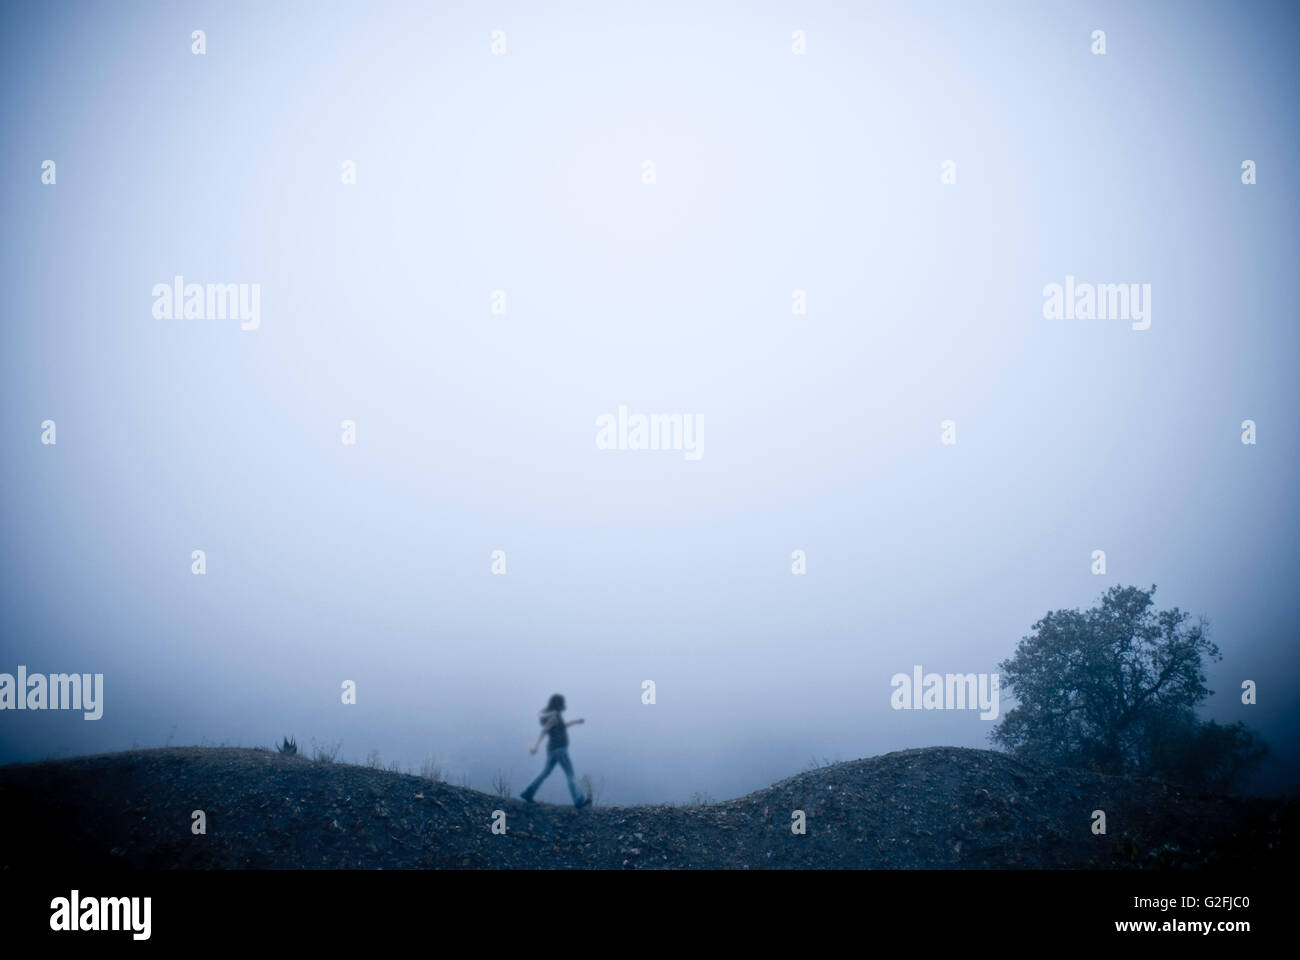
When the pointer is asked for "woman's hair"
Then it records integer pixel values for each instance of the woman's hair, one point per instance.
(555, 703)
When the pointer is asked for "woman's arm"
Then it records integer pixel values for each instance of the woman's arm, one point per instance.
(572, 722)
(550, 722)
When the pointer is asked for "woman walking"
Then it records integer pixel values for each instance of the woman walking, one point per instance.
(557, 749)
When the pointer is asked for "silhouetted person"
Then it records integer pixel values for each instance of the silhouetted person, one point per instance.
(557, 749)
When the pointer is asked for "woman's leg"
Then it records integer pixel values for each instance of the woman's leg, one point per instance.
(563, 757)
(546, 772)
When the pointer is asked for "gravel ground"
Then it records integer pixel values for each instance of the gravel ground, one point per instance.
(938, 807)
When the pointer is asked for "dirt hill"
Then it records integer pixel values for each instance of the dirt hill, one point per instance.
(935, 807)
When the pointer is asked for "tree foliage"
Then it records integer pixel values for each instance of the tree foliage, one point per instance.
(1115, 689)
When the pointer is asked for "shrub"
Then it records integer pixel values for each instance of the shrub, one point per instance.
(501, 785)
(592, 788)
(431, 770)
(324, 752)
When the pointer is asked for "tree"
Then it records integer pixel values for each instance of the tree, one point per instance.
(1115, 689)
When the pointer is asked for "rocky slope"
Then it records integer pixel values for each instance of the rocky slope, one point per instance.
(939, 807)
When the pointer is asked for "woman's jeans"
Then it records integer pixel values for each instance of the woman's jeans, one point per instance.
(559, 755)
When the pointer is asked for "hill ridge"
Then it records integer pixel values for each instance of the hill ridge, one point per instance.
(927, 807)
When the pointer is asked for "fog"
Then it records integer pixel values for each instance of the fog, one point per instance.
(475, 430)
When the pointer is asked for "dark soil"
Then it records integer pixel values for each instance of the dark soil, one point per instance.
(937, 807)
